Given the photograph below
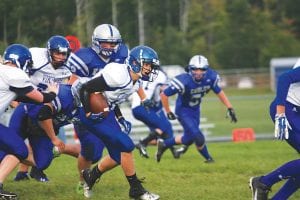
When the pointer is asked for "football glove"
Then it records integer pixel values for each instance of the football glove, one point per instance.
(282, 127)
(171, 116)
(125, 124)
(231, 114)
(147, 103)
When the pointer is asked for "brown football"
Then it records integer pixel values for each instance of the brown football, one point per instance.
(98, 103)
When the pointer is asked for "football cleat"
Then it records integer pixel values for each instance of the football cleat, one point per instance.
(181, 150)
(174, 153)
(142, 149)
(259, 190)
(147, 196)
(89, 178)
(209, 161)
(38, 175)
(56, 152)
(138, 192)
(161, 148)
(21, 176)
(83, 189)
(4, 195)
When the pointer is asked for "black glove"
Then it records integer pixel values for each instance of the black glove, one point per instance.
(231, 114)
(147, 103)
(171, 116)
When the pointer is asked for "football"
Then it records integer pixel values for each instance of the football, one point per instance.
(98, 103)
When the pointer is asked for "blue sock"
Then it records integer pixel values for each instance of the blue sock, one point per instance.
(286, 171)
(204, 153)
(289, 188)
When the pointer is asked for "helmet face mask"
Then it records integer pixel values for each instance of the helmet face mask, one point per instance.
(19, 55)
(143, 60)
(106, 40)
(198, 65)
(59, 50)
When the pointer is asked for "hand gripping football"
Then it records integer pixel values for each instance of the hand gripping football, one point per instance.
(98, 103)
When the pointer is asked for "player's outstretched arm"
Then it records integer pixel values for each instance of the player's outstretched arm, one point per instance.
(230, 111)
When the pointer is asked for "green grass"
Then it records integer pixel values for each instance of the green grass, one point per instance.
(251, 107)
(187, 178)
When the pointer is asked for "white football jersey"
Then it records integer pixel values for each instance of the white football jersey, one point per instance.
(118, 78)
(293, 95)
(11, 76)
(43, 71)
(152, 89)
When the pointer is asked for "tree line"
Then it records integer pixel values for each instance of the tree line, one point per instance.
(230, 33)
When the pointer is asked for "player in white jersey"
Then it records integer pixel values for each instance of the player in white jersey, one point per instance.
(117, 82)
(15, 85)
(49, 67)
(154, 117)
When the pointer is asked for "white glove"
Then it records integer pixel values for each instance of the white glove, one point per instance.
(282, 127)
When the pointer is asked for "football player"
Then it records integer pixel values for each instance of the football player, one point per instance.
(142, 65)
(49, 67)
(284, 111)
(154, 117)
(107, 47)
(16, 85)
(191, 87)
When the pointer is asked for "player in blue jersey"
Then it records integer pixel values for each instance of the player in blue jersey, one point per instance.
(49, 67)
(15, 85)
(191, 87)
(107, 47)
(117, 82)
(285, 113)
(154, 117)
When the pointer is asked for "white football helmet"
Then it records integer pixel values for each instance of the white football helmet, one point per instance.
(106, 33)
(198, 62)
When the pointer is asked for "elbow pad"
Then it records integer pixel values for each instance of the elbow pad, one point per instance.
(48, 97)
(85, 98)
(45, 113)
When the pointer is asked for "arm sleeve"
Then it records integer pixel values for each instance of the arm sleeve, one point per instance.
(284, 82)
(118, 112)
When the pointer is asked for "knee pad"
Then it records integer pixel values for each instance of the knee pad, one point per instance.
(199, 140)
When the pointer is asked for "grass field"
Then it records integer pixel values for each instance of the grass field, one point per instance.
(251, 106)
(185, 179)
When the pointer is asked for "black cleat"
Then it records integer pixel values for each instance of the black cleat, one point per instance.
(174, 153)
(181, 150)
(161, 148)
(142, 149)
(38, 175)
(259, 190)
(4, 195)
(89, 178)
(209, 161)
(21, 176)
(138, 192)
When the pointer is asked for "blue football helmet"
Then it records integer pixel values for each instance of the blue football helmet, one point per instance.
(58, 44)
(198, 62)
(19, 55)
(140, 55)
(106, 33)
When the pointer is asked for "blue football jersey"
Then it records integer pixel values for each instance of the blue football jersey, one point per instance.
(288, 86)
(64, 108)
(190, 93)
(86, 62)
